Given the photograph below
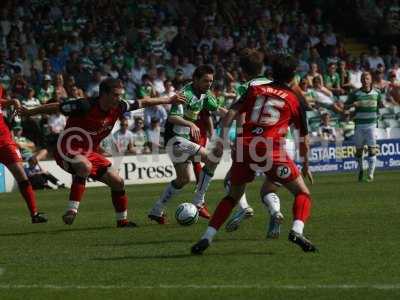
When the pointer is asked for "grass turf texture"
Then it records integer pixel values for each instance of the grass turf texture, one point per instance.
(355, 225)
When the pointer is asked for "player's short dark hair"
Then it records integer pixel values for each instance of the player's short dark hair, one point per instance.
(284, 68)
(202, 70)
(251, 61)
(107, 85)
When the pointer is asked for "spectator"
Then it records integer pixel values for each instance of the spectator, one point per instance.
(56, 124)
(324, 97)
(332, 80)
(355, 74)
(312, 73)
(140, 142)
(123, 139)
(93, 89)
(155, 112)
(375, 59)
(26, 146)
(40, 177)
(46, 92)
(59, 89)
(326, 132)
(348, 127)
(344, 77)
(153, 135)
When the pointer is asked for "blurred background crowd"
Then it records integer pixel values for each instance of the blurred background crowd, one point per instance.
(55, 50)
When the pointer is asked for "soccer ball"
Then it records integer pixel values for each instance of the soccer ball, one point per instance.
(186, 214)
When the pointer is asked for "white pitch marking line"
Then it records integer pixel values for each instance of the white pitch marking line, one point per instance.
(145, 287)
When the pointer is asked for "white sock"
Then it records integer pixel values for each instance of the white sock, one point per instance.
(121, 215)
(209, 234)
(298, 226)
(167, 195)
(243, 204)
(73, 205)
(273, 203)
(201, 189)
(360, 164)
(371, 165)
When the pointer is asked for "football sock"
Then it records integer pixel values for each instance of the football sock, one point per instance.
(76, 193)
(28, 194)
(170, 191)
(120, 202)
(302, 207)
(204, 181)
(222, 212)
(371, 165)
(243, 204)
(298, 226)
(197, 170)
(273, 203)
(209, 234)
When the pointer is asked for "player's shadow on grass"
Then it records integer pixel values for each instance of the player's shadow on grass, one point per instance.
(55, 231)
(179, 256)
(163, 242)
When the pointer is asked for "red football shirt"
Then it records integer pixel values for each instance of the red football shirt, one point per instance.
(85, 130)
(5, 135)
(270, 109)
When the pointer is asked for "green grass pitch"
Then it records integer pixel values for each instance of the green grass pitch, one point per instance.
(356, 227)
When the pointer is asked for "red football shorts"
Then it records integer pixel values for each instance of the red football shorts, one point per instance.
(100, 164)
(278, 168)
(9, 154)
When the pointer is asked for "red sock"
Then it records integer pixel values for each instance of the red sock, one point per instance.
(77, 188)
(222, 212)
(27, 192)
(197, 168)
(302, 207)
(120, 201)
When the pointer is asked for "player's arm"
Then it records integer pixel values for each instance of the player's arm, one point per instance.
(10, 102)
(77, 107)
(146, 102)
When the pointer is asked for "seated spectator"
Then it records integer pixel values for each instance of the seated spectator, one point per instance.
(46, 91)
(40, 177)
(27, 147)
(59, 87)
(347, 126)
(312, 73)
(379, 82)
(324, 98)
(153, 135)
(158, 112)
(308, 93)
(140, 142)
(374, 59)
(146, 89)
(355, 74)
(123, 139)
(332, 80)
(326, 132)
(73, 91)
(344, 76)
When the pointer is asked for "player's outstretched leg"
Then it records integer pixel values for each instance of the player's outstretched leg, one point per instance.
(27, 192)
(77, 190)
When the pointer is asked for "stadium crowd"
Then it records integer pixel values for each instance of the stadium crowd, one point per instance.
(55, 50)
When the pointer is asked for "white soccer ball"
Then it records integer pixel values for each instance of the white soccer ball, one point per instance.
(186, 214)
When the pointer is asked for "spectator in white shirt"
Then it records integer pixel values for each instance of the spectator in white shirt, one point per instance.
(355, 74)
(375, 59)
(138, 71)
(123, 138)
(326, 132)
(94, 86)
(153, 135)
